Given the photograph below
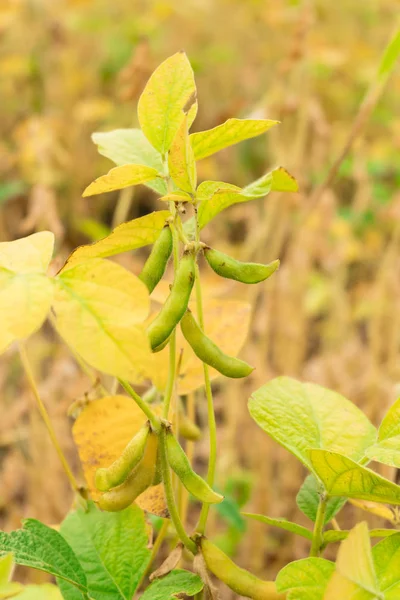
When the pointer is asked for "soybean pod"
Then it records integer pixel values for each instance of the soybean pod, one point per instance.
(209, 353)
(155, 265)
(228, 267)
(239, 580)
(136, 483)
(175, 305)
(115, 474)
(179, 463)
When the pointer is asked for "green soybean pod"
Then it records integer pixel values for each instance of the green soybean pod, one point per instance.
(115, 474)
(136, 483)
(155, 265)
(209, 353)
(239, 580)
(228, 267)
(193, 483)
(176, 303)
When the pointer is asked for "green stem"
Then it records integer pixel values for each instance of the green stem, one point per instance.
(152, 417)
(171, 376)
(319, 526)
(45, 416)
(169, 494)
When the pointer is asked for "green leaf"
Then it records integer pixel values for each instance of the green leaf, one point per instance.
(130, 146)
(308, 500)
(355, 575)
(333, 535)
(233, 131)
(387, 448)
(99, 308)
(170, 90)
(342, 476)
(386, 556)
(127, 236)
(176, 584)
(182, 166)
(300, 416)
(43, 548)
(46, 591)
(282, 524)
(224, 195)
(112, 549)
(305, 579)
(119, 178)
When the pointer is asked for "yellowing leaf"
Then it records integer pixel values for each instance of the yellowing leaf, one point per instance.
(170, 90)
(30, 254)
(355, 575)
(305, 579)
(127, 236)
(119, 178)
(387, 449)
(176, 197)
(231, 132)
(101, 432)
(384, 512)
(98, 309)
(342, 476)
(182, 166)
(6, 568)
(46, 591)
(226, 323)
(278, 180)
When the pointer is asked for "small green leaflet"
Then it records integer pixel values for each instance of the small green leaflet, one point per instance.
(43, 548)
(112, 549)
(305, 579)
(282, 524)
(233, 131)
(342, 476)
(386, 556)
(387, 448)
(175, 585)
(308, 500)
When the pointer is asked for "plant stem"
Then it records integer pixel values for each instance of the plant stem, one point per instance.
(169, 494)
(171, 376)
(212, 427)
(46, 419)
(319, 526)
(154, 420)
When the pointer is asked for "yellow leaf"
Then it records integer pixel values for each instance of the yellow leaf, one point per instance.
(170, 90)
(227, 324)
(182, 166)
(176, 197)
(98, 309)
(233, 131)
(354, 576)
(127, 236)
(30, 254)
(101, 432)
(119, 178)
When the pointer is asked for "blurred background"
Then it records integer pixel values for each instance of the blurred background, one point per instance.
(331, 314)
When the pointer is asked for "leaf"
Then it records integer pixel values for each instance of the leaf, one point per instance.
(308, 500)
(31, 254)
(175, 585)
(223, 197)
(10, 590)
(386, 556)
(6, 568)
(127, 236)
(101, 432)
(333, 535)
(43, 548)
(98, 309)
(169, 90)
(282, 524)
(383, 512)
(176, 197)
(355, 575)
(111, 547)
(342, 476)
(305, 579)
(227, 324)
(233, 131)
(182, 166)
(46, 591)
(25, 291)
(390, 57)
(300, 416)
(119, 178)
(387, 448)
(130, 146)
